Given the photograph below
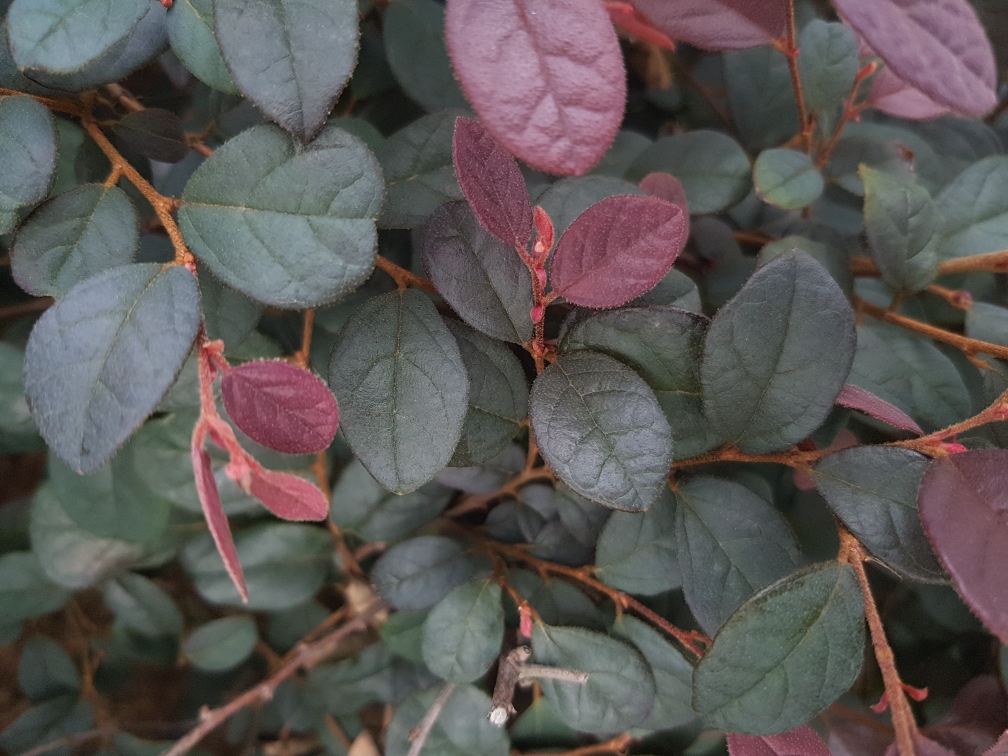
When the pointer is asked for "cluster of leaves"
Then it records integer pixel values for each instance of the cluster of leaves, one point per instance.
(586, 352)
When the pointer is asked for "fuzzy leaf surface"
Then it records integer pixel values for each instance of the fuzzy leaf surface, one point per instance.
(28, 145)
(636, 551)
(462, 635)
(418, 573)
(787, 179)
(801, 741)
(718, 25)
(856, 398)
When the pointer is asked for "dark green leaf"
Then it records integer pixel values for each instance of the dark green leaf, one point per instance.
(828, 62)
(222, 644)
(777, 355)
(74, 236)
(46, 722)
(228, 314)
(619, 692)
(401, 386)
(677, 289)
(873, 490)
(565, 200)
(539, 725)
(583, 519)
(419, 174)
(420, 572)
(28, 145)
(636, 552)
(45, 671)
(292, 59)
(787, 179)
(402, 634)
(873, 151)
(713, 168)
(154, 133)
(601, 429)
(375, 674)
(761, 97)
(731, 544)
(288, 225)
(141, 606)
(25, 590)
(462, 635)
(663, 345)
(462, 728)
(289, 626)
(975, 210)
(621, 153)
(834, 260)
(987, 322)
(785, 655)
(17, 429)
(191, 32)
(487, 477)
(558, 602)
(99, 361)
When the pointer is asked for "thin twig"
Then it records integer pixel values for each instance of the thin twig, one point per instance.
(932, 444)
(70, 741)
(789, 46)
(478, 502)
(793, 457)
(59, 104)
(25, 308)
(958, 298)
(542, 672)
(619, 744)
(403, 278)
(419, 736)
(991, 262)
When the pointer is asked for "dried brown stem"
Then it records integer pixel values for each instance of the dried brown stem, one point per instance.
(419, 736)
(403, 278)
(961, 300)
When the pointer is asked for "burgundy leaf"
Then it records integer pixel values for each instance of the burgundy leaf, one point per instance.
(546, 77)
(616, 250)
(718, 24)
(213, 511)
(667, 187)
(963, 505)
(289, 496)
(855, 733)
(922, 747)
(978, 715)
(801, 741)
(856, 398)
(890, 94)
(492, 183)
(938, 47)
(1000, 748)
(281, 406)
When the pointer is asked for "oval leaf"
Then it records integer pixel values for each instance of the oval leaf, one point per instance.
(787, 179)
(222, 644)
(599, 426)
(717, 24)
(28, 142)
(91, 376)
(191, 33)
(25, 591)
(616, 250)
(462, 635)
(418, 573)
(154, 133)
(802, 741)
(546, 79)
(856, 398)
(289, 496)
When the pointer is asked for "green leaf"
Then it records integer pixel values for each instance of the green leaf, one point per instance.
(92, 371)
(619, 692)
(286, 224)
(851, 152)
(284, 565)
(419, 173)
(375, 674)
(566, 199)
(292, 59)
(415, 47)
(836, 261)
(222, 644)
(191, 33)
(583, 519)
(987, 322)
(761, 97)
(489, 476)
(402, 389)
(636, 552)
(713, 168)
(673, 675)
(361, 506)
(975, 209)
(46, 722)
(787, 179)
(539, 725)
(63, 36)
(154, 133)
(462, 728)
(28, 146)
(873, 490)
(676, 289)
(558, 602)
(418, 573)
(403, 633)
(142, 607)
(45, 671)
(785, 655)
(626, 146)
(731, 544)
(25, 590)
(902, 225)
(462, 635)
(663, 345)
(481, 277)
(289, 626)
(828, 63)
(17, 429)
(498, 396)
(777, 355)
(228, 314)
(601, 429)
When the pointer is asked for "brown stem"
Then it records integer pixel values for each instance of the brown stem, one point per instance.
(403, 278)
(789, 46)
(959, 299)
(321, 469)
(25, 308)
(851, 111)
(58, 104)
(991, 262)
(124, 98)
(70, 741)
(303, 355)
(793, 457)
(619, 744)
(753, 237)
(931, 444)
(419, 736)
(478, 502)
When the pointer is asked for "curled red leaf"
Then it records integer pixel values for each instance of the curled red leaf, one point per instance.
(717, 24)
(288, 496)
(856, 398)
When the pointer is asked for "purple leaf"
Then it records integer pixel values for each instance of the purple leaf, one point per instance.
(616, 250)
(922, 747)
(1000, 748)
(667, 187)
(963, 505)
(718, 24)
(213, 511)
(978, 715)
(890, 94)
(289, 496)
(492, 183)
(801, 741)
(546, 77)
(939, 48)
(856, 733)
(856, 398)
(281, 406)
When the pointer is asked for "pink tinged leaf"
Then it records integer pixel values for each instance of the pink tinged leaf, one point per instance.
(922, 747)
(616, 250)
(667, 187)
(216, 520)
(492, 183)
(890, 94)
(544, 234)
(939, 48)
(856, 734)
(546, 77)
(289, 496)
(717, 24)
(626, 17)
(1000, 748)
(802, 741)
(856, 398)
(978, 715)
(281, 406)
(963, 504)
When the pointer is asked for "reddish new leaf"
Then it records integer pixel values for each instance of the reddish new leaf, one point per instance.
(963, 505)
(288, 496)
(492, 183)
(939, 48)
(1000, 748)
(546, 77)
(801, 741)
(890, 94)
(978, 715)
(616, 250)
(281, 406)
(718, 24)
(922, 747)
(667, 187)
(853, 733)
(856, 398)
(213, 511)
